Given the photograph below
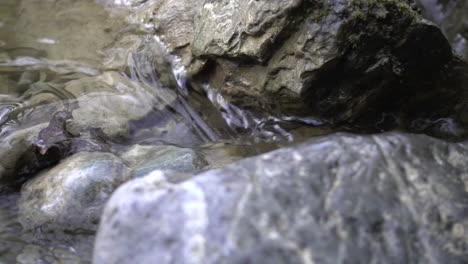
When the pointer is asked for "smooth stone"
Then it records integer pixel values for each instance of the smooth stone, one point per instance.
(71, 195)
(389, 198)
(145, 159)
(108, 102)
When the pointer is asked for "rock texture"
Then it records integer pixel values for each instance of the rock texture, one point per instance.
(71, 195)
(349, 63)
(391, 198)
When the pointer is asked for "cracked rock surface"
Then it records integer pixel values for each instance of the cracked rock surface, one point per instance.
(390, 198)
(348, 63)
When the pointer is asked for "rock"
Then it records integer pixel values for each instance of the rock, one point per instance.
(36, 254)
(145, 159)
(108, 102)
(174, 21)
(16, 152)
(55, 247)
(241, 28)
(283, 58)
(362, 42)
(10, 246)
(452, 17)
(71, 195)
(389, 198)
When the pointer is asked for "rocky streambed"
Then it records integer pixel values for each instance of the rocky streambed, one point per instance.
(233, 131)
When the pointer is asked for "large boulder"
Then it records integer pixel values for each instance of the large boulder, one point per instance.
(349, 63)
(390, 198)
(71, 195)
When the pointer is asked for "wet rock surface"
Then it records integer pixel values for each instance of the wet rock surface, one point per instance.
(108, 103)
(71, 195)
(145, 159)
(282, 57)
(391, 198)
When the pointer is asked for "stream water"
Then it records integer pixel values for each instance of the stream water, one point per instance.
(98, 60)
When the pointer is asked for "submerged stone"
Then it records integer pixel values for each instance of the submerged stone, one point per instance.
(390, 198)
(145, 159)
(108, 102)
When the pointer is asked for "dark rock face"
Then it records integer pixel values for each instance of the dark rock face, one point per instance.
(452, 17)
(392, 198)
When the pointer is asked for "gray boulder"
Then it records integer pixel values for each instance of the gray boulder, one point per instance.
(390, 198)
(71, 195)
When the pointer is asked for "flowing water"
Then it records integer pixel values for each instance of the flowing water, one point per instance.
(99, 61)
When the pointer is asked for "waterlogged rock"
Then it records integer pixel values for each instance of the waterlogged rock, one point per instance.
(108, 102)
(71, 195)
(390, 198)
(145, 159)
